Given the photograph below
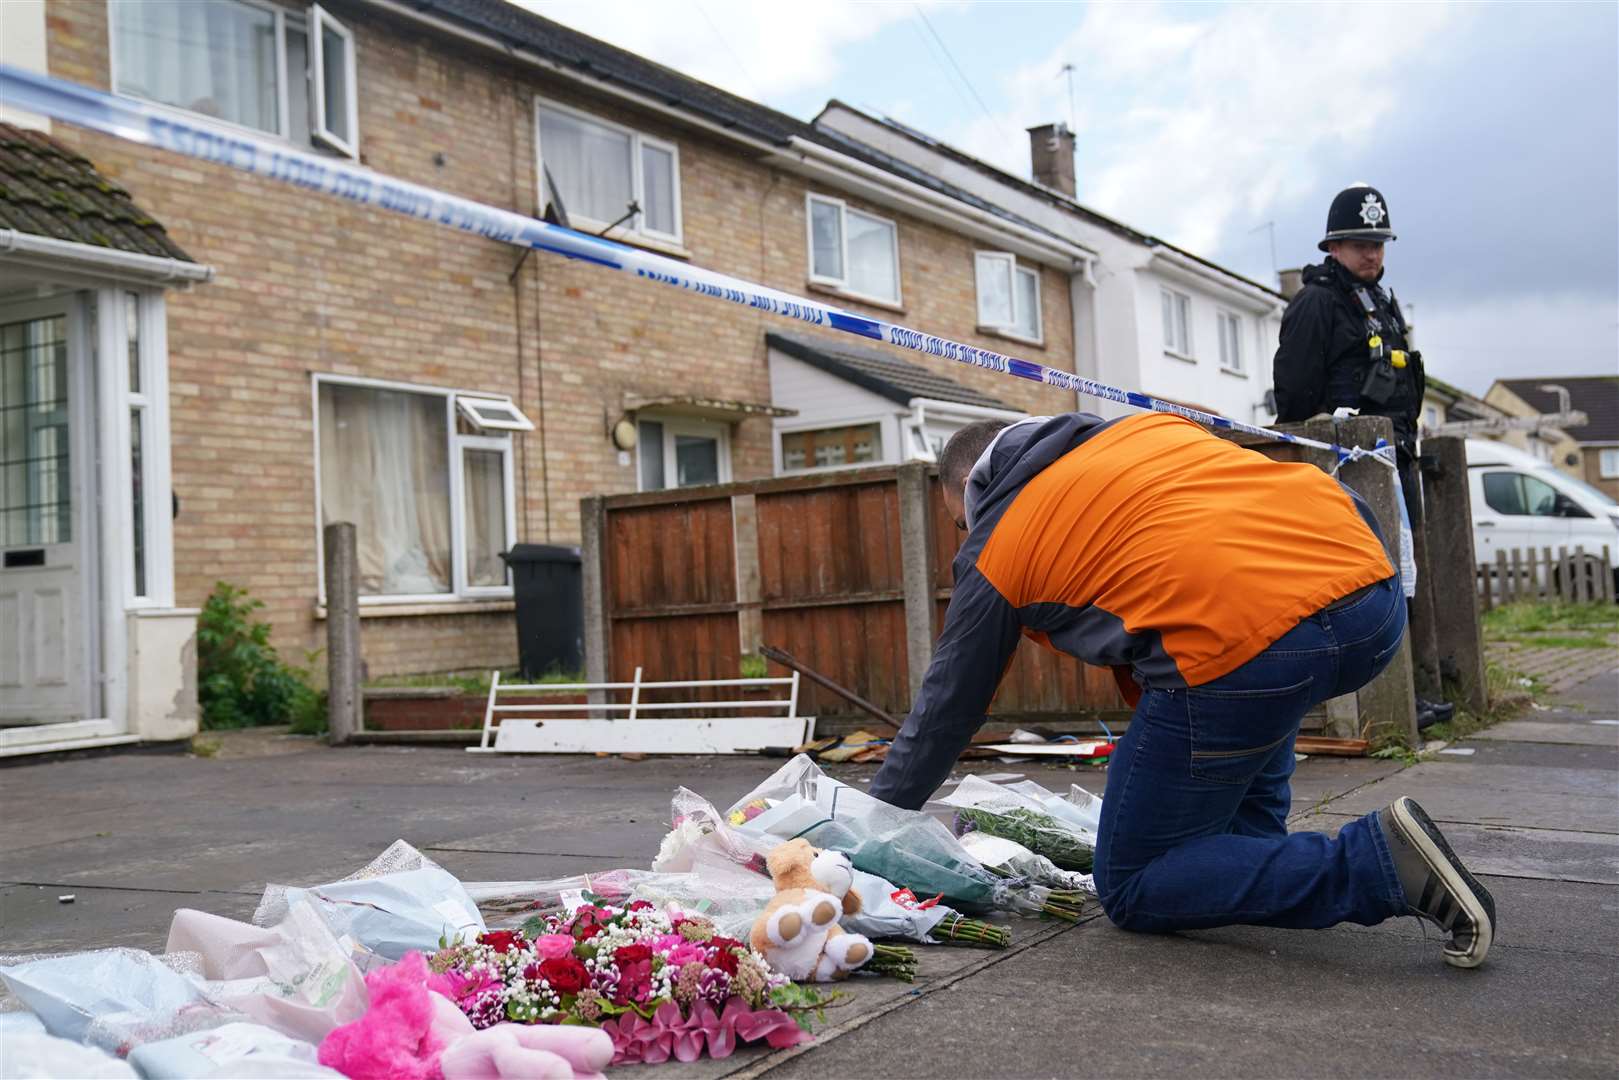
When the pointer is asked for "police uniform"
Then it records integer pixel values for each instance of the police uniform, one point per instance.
(1344, 343)
(1343, 340)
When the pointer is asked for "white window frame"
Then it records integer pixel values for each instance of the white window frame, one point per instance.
(309, 21)
(512, 418)
(1230, 326)
(1182, 304)
(675, 424)
(1010, 330)
(462, 556)
(637, 225)
(148, 408)
(882, 420)
(320, 20)
(842, 283)
(459, 589)
(1604, 455)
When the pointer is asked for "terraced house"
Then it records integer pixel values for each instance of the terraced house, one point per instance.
(202, 367)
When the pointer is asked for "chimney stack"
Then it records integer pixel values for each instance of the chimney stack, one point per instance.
(1292, 280)
(1051, 149)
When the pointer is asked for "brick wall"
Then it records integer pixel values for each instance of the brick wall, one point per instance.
(310, 285)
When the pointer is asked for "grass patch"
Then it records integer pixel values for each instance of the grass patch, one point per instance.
(1562, 641)
(1511, 621)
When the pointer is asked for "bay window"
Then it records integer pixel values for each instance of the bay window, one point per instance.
(425, 476)
(1008, 295)
(853, 251)
(600, 169)
(244, 62)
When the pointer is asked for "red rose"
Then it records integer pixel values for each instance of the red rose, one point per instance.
(725, 960)
(586, 931)
(566, 975)
(634, 979)
(640, 905)
(499, 940)
(722, 943)
(631, 954)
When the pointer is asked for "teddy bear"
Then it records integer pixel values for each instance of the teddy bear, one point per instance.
(798, 932)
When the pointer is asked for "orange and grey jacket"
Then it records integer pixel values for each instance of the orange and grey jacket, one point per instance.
(1144, 544)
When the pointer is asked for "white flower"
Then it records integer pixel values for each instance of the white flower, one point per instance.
(673, 854)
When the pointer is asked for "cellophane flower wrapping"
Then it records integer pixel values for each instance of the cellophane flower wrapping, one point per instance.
(909, 848)
(400, 902)
(1061, 830)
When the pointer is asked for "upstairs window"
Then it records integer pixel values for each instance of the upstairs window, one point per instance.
(1177, 309)
(1230, 327)
(289, 74)
(1008, 295)
(600, 169)
(853, 251)
(1608, 464)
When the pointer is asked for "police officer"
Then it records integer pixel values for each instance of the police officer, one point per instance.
(1344, 345)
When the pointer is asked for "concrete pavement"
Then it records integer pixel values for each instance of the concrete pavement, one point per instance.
(1534, 807)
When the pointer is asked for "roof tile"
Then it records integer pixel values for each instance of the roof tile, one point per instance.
(49, 190)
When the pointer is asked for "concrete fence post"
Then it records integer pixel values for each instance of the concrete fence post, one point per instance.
(343, 703)
(593, 571)
(1388, 702)
(1452, 567)
(916, 569)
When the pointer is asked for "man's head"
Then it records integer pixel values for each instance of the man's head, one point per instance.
(1357, 228)
(956, 463)
(1362, 258)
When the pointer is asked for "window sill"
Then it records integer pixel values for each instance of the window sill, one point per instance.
(1235, 373)
(673, 248)
(229, 128)
(991, 331)
(859, 298)
(1173, 355)
(491, 606)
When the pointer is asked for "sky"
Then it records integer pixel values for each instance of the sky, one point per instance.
(1491, 129)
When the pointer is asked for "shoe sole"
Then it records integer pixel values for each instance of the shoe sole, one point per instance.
(1474, 899)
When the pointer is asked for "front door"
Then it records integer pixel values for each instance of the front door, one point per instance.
(46, 674)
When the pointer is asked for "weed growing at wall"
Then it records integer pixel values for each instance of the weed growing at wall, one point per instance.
(242, 680)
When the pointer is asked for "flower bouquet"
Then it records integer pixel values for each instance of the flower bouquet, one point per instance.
(661, 984)
(1046, 824)
(904, 846)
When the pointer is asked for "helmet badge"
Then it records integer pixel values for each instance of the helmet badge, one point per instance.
(1371, 211)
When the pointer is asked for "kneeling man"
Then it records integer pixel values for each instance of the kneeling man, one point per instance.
(1230, 594)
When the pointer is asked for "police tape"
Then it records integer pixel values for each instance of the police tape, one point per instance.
(151, 125)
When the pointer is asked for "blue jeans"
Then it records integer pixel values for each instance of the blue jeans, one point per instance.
(1194, 821)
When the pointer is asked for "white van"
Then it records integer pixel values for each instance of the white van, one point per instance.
(1520, 501)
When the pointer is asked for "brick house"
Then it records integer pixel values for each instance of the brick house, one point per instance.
(1589, 452)
(449, 395)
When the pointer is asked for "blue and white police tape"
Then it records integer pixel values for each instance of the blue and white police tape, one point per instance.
(250, 153)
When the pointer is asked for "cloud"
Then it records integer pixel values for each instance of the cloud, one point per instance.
(1192, 121)
(759, 50)
(1473, 343)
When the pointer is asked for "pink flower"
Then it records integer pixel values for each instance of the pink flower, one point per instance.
(685, 953)
(553, 946)
(665, 942)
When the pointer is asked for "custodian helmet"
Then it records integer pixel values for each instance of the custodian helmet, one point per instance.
(1358, 213)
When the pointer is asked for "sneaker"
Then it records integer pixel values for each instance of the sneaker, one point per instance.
(1437, 885)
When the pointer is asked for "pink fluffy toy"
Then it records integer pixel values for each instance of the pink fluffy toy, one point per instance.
(412, 1033)
(403, 1033)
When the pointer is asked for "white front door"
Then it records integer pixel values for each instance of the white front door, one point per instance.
(46, 671)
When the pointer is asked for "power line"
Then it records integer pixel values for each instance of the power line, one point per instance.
(961, 74)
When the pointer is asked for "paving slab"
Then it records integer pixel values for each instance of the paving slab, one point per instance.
(1559, 755)
(1579, 731)
(1244, 1002)
(33, 921)
(1548, 916)
(1579, 800)
(1547, 854)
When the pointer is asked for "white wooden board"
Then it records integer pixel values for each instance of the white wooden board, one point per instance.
(722, 735)
(1084, 749)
